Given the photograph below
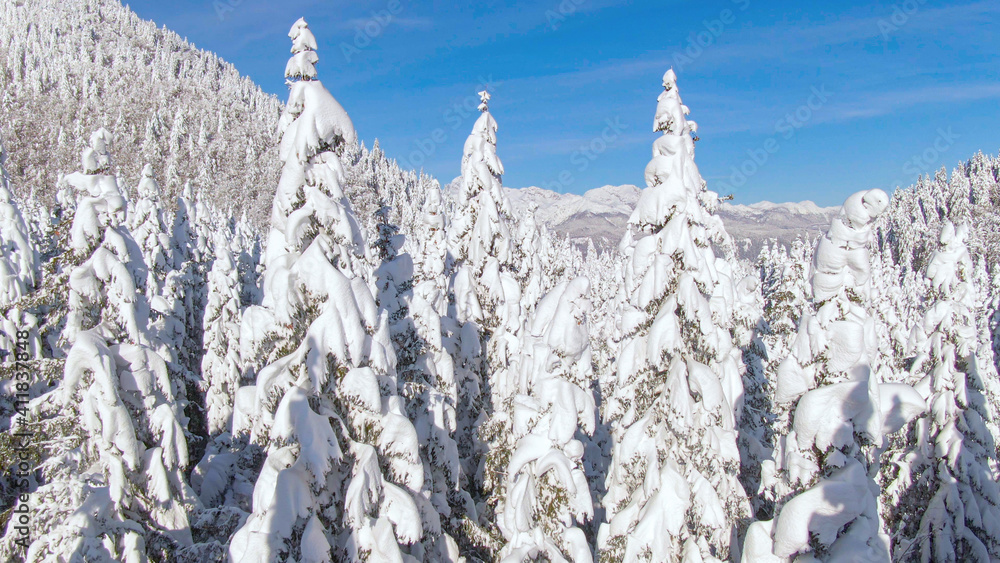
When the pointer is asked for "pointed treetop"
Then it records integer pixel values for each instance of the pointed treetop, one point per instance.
(302, 65)
(484, 98)
(670, 79)
(100, 141)
(432, 202)
(952, 236)
(148, 188)
(670, 110)
(97, 157)
(302, 38)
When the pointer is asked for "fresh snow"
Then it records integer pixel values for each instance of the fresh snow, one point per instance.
(392, 371)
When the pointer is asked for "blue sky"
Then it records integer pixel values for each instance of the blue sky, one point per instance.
(795, 100)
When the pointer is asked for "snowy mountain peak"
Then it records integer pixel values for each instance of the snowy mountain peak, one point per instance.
(614, 195)
(601, 214)
(799, 208)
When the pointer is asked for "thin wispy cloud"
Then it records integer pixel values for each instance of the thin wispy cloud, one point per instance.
(729, 114)
(752, 43)
(884, 103)
(421, 23)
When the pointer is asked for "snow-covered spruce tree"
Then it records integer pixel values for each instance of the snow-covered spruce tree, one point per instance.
(224, 477)
(221, 366)
(785, 287)
(898, 307)
(416, 370)
(487, 300)
(343, 465)
(19, 272)
(190, 256)
(560, 259)
(150, 231)
(163, 287)
(756, 415)
(944, 500)
(207, 221)
(825, 466)
(183, 239)
(246, 248)
(112, 439)
(547, 499)
(19, 259)
(784, 277)
(181, 305)
(530, 250)
(432, 391)
(19, 278)
(606, 272)
(393, 292)
(100, 236)
(672, 488)
(46, 308)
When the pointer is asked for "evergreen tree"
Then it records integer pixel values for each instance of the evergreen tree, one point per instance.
(221, 366)
(945, 501)
(225, 476)
(343, 464)
(107, 252)
(150, 231)
(163, 283)
(19, 278)
(187, 286)
(547, 500)
(784, 276)
(487, 301)
(416, 372)
(531, 249)
(433, 391)
(247, 250)
(841, 410)
(672, 488)
(112, 432)
(19, 259)
(757, 412)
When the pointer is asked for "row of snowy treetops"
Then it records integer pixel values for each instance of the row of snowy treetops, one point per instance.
(390, 373)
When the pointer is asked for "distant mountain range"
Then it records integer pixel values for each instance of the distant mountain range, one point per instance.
(601, 214)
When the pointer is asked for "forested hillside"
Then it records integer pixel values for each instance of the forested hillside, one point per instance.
(70, 67)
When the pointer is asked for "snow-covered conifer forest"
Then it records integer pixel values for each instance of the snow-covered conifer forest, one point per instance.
(232, 332)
